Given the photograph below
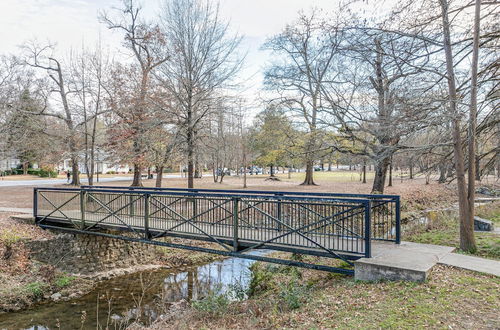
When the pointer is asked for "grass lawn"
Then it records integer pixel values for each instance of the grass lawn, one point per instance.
(333, 176)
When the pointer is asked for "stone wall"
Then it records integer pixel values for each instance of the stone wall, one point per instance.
(88, 254)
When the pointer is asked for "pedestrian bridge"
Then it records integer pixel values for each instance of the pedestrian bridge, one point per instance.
(331, 225)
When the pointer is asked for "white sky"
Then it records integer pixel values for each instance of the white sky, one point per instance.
(70, 23)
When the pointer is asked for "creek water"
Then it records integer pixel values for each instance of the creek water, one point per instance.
(119, 301)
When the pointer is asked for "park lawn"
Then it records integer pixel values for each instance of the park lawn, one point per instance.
(325, 176)
(443, 229)
(287, 297)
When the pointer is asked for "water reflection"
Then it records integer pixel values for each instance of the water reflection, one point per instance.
(141, 296)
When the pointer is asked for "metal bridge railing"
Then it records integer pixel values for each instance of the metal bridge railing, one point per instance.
(385, 210)
(329, 225)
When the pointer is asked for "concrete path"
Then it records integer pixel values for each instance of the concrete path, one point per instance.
(413, 262)
(471, 263)
(407, 261)
(40, 182)
(16, 210)
(16, 183)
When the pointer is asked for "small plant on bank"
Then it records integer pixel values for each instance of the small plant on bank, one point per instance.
(9, 238)
(64, 281)
(35, 289)
(292, 295)
(214, 303)
(237, 292)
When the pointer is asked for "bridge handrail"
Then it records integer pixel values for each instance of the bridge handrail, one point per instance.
(258, 192)
(197, 194)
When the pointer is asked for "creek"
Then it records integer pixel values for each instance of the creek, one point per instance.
(144, 296)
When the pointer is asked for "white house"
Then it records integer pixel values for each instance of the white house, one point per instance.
(9, 163)
(101, 167)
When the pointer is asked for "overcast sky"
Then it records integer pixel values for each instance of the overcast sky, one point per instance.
(69, 23)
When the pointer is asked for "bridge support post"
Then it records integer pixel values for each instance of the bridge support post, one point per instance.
(280, 214)
(131, 201)
(235, 223)
(146, 217)
(35, 204)
(83, 196)
(398, 220)
(195, 206)
(368, 243)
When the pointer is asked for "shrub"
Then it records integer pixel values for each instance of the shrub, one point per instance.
(260, 280)
(34, 171)
(45, 173)
(292, 295)
(35, 289)
(214, 303)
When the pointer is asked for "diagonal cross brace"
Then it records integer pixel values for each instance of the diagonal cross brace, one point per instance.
(297, 230)
(189, 221)
(57, 208)
(113, 213)
(336, 222)
(304, 227)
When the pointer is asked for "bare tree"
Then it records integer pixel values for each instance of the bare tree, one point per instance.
(306, 54)
(41, 57)
(202, 59)
(146, 42)
(88, 79)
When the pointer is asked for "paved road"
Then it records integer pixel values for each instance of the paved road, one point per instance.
(16, 183)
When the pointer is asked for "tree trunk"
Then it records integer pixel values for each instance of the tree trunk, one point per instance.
(380, 174)
(364, 172)
(442, 173)
(478, 172)
(467, 239)
(309, 180)
(159, 175)
(411, 171)
(449, 172)
(468, 243)
(137, 182)
(390, 173)
(75, 175)
(197, 168)
(90, 174)
(271, 171)
(244, 167)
